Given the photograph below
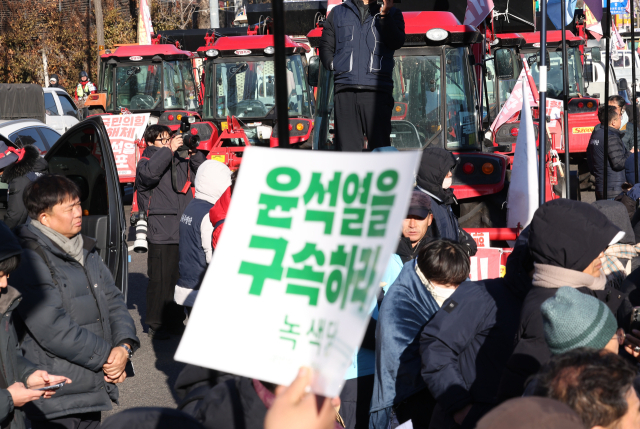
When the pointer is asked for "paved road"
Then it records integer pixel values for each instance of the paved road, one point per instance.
(156, 371)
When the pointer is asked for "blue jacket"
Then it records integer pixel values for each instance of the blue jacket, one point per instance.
(618, 154)
(629, 169)
(405, 310)
(193, 261)
(359, 49)
(466, 345)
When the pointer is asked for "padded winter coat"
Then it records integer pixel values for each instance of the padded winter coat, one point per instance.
(618, 155)
(466, 345)
(70, 318)
(167, 199)
(19, 175)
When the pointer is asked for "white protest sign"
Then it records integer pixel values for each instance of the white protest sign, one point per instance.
(306, 240)
(123, 131)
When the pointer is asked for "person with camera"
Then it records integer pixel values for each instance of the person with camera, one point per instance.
(358, 40)
(166, 178)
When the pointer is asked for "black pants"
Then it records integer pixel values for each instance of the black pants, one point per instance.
(162, 269)
(359, 112)
(355, 401)
(72, 421)
(417, 408)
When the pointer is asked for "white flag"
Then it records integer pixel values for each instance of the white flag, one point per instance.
(477, 11)
(522, 199)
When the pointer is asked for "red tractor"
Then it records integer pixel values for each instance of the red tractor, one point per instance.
(435, 105)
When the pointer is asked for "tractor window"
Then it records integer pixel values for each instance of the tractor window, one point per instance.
(489, 95)
(460, 113)
(191, 91)
(138, 86)
(108, 84)
(554, 73)
(247, 89)
(417, 87)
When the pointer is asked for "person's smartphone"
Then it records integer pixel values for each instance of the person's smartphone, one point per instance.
(635, 319)
(129, 370)
(51, 387)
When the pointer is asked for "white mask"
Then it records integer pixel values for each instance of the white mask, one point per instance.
(624, 120)
(446, 184)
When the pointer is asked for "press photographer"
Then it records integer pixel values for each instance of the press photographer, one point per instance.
(165, 174)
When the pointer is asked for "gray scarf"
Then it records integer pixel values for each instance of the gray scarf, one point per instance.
(72, 246)
(553, 277)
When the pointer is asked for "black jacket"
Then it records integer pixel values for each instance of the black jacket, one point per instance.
(434, 166)
(618, 155)
(70, 318)
(150, 418)
(167, 200)
(144, 194)
(232, 404)
(465, 346)
(18, 175)
(531, 350)
(15, 368)
(358, 38)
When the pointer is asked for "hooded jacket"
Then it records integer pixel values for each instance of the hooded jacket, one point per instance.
(143, 193)
(166, 203)
(466, 345)
(14, 367)
(358, 45)
(405, 310)
(434, 166)
(19, 175)
(70, 319)
(618, 155)
(565, 237)
(57, 84)
(196, 229)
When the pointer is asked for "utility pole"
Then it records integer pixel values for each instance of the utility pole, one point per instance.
(97, 4)
(214, 16)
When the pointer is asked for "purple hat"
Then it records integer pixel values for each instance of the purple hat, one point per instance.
(7, 154)
(420, 205)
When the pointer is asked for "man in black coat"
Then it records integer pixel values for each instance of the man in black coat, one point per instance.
(434, 178)
(358, 40)
(566, 240)
(73, 318)
(617, 154)
(465, 346)
(166, 176)
(18, 175)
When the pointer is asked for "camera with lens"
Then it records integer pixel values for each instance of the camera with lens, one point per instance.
(140, 245)
(190, 137)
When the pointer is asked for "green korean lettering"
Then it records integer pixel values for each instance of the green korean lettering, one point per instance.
(273, 179)
(387, 180)
(321, 216)
(352, 221)
(272, 202)
(262, 272)
(316, 188)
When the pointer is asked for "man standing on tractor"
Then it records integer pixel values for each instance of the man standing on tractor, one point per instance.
(85, 87)
(358, 41)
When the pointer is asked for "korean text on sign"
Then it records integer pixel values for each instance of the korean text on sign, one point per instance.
(123, 131)
(306, 241)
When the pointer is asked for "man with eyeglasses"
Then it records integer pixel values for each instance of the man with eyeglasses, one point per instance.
(163, 181)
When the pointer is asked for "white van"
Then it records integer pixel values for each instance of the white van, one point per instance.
(61, 111)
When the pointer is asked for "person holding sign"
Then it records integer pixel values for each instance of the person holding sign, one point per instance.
(399, 393)
(435, 178)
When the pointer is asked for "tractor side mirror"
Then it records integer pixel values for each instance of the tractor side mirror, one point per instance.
(313, 70)
(595, 55)
(506, 64)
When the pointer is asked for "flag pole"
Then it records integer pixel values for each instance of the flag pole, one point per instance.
(565, 101)
(633, 88)
(542, 106)
(607, 35)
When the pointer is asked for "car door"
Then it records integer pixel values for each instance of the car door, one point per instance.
(53, 111)
(29, 135)
(69, 110)
(83, 154)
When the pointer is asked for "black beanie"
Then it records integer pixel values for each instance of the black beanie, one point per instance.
(570, 234)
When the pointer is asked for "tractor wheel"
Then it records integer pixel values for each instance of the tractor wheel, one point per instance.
(95, 110)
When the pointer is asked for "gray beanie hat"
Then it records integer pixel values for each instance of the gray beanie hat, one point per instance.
(572, 319)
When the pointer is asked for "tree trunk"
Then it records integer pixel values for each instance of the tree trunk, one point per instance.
(203, 15)
(97, 4)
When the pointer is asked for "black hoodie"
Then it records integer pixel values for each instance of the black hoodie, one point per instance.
(434, 166)
(18, 175)
(57, 84)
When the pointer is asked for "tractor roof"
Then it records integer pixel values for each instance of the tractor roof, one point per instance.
(147, 51)
(554, 38)
(227, 46)
(418, 23)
